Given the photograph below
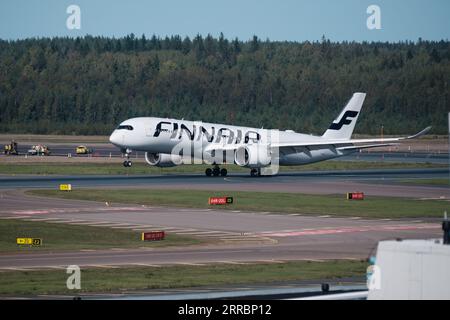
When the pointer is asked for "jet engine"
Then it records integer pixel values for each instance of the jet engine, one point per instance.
(253, 156)
(163, 160)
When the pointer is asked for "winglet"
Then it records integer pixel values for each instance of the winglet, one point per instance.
(421, 133)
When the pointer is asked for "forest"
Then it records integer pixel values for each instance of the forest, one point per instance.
(88, 85)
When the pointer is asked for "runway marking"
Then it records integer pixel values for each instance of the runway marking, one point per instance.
(104, 266)
(208, 233)
(41, 219)
(126, 227)
(76, 210)
(185, 231)
(233, 262)
(325, 216)
(93, 223)
(15, 269)
(110, 225)
(343, 230)
(146, 265)
(66, 221)
(272, 261)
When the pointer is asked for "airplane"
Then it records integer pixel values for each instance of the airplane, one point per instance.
(170, 142)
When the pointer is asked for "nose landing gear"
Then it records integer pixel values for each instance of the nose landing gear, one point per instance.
(216, 171)
(127, 163)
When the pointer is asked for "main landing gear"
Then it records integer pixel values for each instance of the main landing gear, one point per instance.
(216, 171)
(127, 163)
(255, 172)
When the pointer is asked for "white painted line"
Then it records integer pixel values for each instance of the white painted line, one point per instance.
(127, 227)
(208, 233)
(190, 264)
(66, 221)
(104, 266)
(21, 217)
(54, 267)
(108, 225)
(272, 261)
(325, 216)
(122, 224)
(146, 265)
(94, 223)
(234, 262)
(42, 219)
(217, 235)
(16, 269)
(184, 231)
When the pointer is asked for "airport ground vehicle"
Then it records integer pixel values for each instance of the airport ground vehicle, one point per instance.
(39, 150)
(83, 150)
(11, 148)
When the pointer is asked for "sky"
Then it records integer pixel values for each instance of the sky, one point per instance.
(280, 20)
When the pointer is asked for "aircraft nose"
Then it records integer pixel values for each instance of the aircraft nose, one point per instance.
(114, 138)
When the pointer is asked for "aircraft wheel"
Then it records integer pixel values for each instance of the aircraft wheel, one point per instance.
(223, 172)
(127, 163)
(208, 172)
(216, 172)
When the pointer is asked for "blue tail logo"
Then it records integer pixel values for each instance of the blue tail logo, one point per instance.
(344, 120)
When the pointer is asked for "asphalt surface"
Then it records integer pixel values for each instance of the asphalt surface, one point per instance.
(239, 237)
(371, 182)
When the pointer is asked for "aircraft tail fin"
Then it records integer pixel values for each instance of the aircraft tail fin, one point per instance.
(342, 127)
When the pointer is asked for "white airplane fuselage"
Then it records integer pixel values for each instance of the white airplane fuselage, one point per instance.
(161, 135)
(165, 141)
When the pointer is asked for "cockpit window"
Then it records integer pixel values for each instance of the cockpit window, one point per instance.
(125, 127)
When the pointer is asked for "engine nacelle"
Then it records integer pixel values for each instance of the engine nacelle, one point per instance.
(163, 160)
(253, 156)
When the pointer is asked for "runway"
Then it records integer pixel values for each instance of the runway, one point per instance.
(244, 237)
(373, 182)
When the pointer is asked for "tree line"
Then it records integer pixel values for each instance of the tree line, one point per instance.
(88, 85)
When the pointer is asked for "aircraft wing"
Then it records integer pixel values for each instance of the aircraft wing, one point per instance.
(373, 142)
(344, 144)
(367, 146)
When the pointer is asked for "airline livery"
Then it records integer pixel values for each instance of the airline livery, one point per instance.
(171, 142)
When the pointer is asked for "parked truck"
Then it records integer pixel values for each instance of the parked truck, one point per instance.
(11, 148)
